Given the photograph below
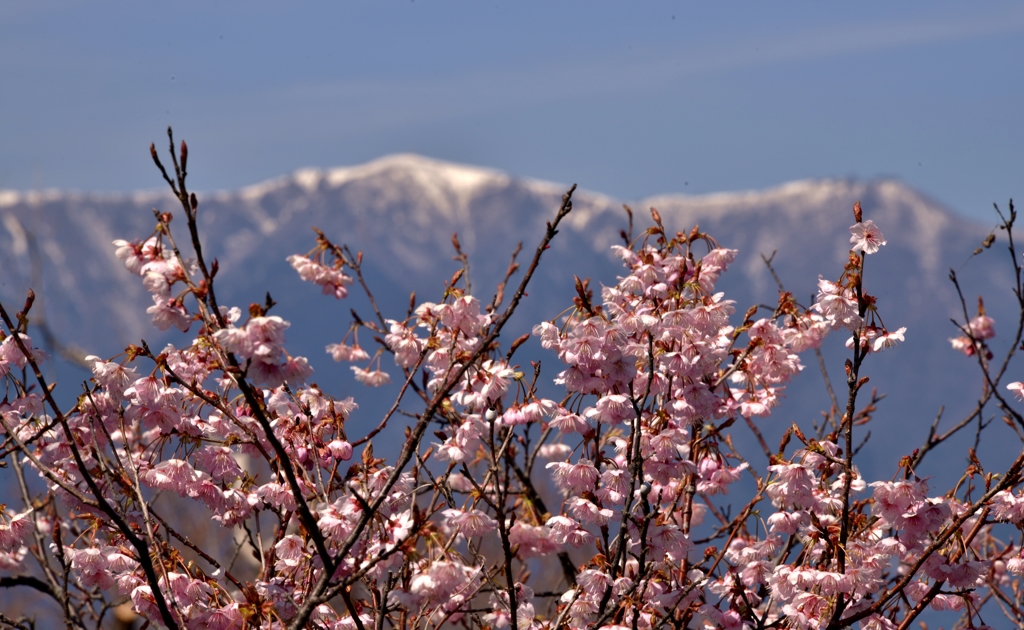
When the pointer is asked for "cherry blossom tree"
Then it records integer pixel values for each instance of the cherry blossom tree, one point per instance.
(621, 502)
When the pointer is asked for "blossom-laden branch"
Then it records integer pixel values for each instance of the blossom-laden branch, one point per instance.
(605, 506)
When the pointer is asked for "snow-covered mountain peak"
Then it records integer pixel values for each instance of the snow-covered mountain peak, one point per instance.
(401, 179)
(457, 178)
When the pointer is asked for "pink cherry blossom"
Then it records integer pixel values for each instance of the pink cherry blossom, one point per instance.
(340, 449)
(837, 305)
(471, 523)
(1017, 389)
(963, 344)
(11, 354)
(569, 423)
(372, 378)
(888, 339)
(577, 477)
(333, 281)
(169, 313)
(341, 352)
(983, 327)
(219, 463)
(866, 237)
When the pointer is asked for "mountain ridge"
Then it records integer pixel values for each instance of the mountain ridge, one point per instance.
(427, 200)
(464, 178)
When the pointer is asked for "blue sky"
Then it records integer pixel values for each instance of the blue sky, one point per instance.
(630, 99)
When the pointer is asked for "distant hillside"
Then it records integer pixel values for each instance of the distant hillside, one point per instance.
(402, 211)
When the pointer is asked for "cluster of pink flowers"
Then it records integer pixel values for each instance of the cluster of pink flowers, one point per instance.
(260, 342)
(332, 280)
(640, 513)
(655, 357)
(976, 332)
(15, 530)
(12, 356)
(160, 271)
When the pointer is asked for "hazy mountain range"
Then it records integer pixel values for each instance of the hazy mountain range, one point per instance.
(402, 210)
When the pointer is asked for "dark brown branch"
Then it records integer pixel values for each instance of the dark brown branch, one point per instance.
(29, 581)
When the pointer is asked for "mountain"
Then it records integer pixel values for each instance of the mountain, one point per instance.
(402, 210)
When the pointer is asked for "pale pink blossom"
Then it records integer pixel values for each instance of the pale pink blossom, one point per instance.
(227, 618)
(404, 343)
(587, 512)
(342, 352)
(1017, 389)
(983, 327)
(137, 255)
(145, 603)
(168, 313)
(290, 552)
(923, 518)
(532, 540)
(579, 477)
(470, 523)
(338, 519)
(340, 449)
(1008, 507)
(113, 377)
(806, 333)
(485, 385)
(277, 494)
(888, 339)
(715, 477)
(134, 255)
(372, 378)
(567, 531)
(333, 281)
(866, 237)
(281, 369)
(837, 305)
(11, 354)
(219, 462)
(892, 499)
(611, 409)
(962, 344)
(296, 370)
(567, 422)
(16, 531)
(787, 523)
(1015, 565)
(13, 560)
